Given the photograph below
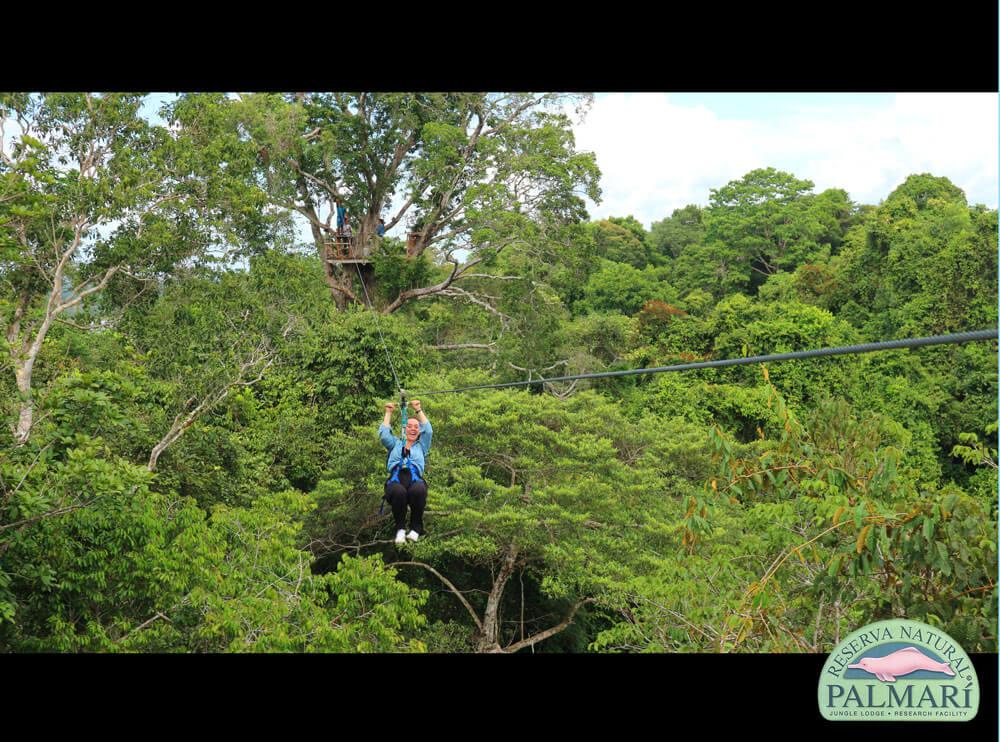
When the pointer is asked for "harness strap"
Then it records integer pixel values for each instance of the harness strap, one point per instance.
(405, 463)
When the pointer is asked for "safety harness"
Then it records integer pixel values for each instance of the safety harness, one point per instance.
(404, 464)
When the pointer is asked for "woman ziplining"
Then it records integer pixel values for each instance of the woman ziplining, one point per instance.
(406, 486)
(406, 464)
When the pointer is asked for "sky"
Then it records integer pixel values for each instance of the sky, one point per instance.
(661, 151)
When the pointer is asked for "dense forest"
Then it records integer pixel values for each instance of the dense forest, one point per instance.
(196, 373)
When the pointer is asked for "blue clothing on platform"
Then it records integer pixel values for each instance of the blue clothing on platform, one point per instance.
(418, 452)
(380, 230)
(341, 212)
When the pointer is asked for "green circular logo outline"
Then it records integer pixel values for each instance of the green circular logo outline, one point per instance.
(908, 680)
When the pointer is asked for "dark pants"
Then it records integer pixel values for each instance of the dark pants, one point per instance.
(407, 492)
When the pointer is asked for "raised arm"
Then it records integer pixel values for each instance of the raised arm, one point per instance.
(384, 431)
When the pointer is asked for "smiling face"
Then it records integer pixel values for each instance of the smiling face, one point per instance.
(412, 430)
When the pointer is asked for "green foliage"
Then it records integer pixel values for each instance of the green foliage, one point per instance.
(935, 269)
(831, 531)
(507, 487)
(139, 571)
(273, 603)
(762, 224)
(622, 241)
(743, 327)
(395, 273)
(738, 509)
(598, 340)
(924, 263)
(618, 287)
(921, 189)
(672, 236)
(978, 453)
(342, 367)
(698, 302)
(533, 324)
(563, 263)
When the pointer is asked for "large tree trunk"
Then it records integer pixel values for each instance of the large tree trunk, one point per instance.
(489, 627)
(23, 355)
(22, 431)
(489, 638)
(337, 280)
(365, 238)
(333, 281)
(339, 286)
(368, 276)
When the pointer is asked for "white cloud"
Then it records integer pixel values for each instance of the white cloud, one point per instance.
(656, 155)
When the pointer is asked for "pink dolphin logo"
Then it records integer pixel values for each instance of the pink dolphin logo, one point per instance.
(900, 662)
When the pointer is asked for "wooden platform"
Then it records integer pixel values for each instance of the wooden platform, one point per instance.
(343, 253)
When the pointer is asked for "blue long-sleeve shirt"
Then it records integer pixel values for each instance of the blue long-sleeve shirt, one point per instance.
(418, 452)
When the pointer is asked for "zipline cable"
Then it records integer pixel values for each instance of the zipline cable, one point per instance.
(378, 326)
(388, 357)
(958, 337)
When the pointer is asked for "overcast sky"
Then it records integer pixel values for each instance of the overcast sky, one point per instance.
(660, 151)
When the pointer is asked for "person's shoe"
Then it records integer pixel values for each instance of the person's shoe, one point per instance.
(413, 535)
(401, 536)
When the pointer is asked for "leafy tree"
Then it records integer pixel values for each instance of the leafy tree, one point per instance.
(566, 262)
(209, 338)
(656, 316)
(89, 193)
(632, 224)
(805, 534)
(478, 173)
(273, 603)
(920, 189)
(713, 269)
(921, 266)
(670, 237)
(620, 243)
(698, 302)
(621, 288)
(872, 531)
(770, 221)
(140, 571)
(983, 484)
(506, 504)
(744, 327)
(837, 214)
(342, 367)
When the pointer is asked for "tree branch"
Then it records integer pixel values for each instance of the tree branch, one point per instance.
(461, 346)
(475, 299)
(450, 586)
(181, 425)
(405, 296)
(540, 636)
